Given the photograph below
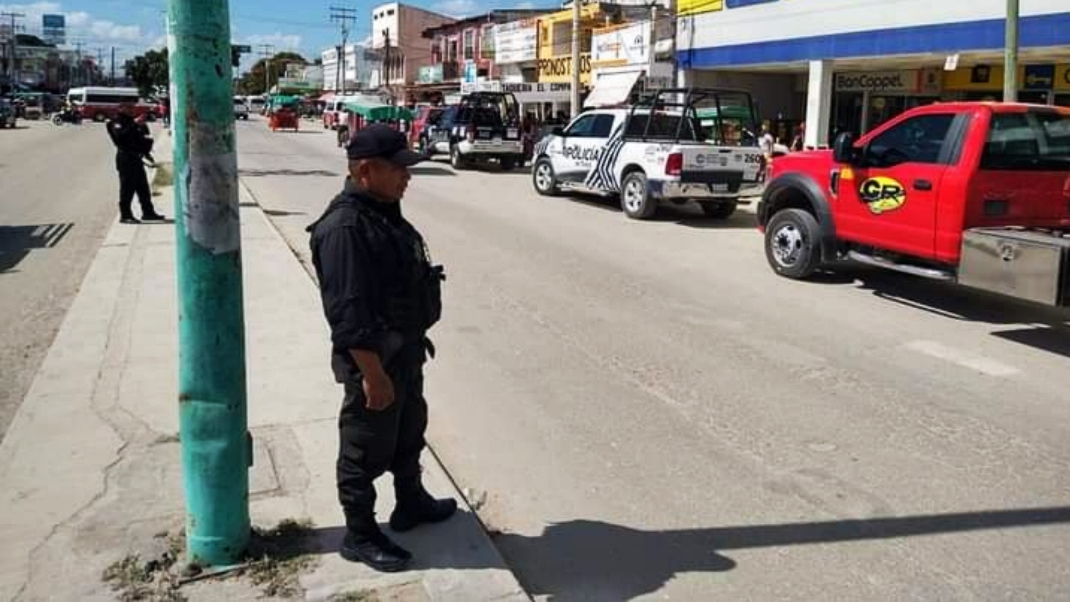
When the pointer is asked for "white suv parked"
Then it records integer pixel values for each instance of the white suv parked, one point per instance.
(657, 151)
(241, 108)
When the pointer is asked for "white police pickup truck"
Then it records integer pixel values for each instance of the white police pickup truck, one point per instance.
(658, 150)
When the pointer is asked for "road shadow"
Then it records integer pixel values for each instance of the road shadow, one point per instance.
(585, 559)
(1042, 327)
(259, 173)
(689, 214)
(16, 242)
(417, 170)
(281, 213)
(595, 560)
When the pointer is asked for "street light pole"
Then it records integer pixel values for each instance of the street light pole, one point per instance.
(216, 447)
(1010, 54)
(576, 14)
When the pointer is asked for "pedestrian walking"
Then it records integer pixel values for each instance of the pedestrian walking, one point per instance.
(381, 294)
(133, 145)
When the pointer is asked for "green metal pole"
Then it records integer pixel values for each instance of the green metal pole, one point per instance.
(1010, 54)
(216, 449)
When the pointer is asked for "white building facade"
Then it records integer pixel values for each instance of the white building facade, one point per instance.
(848, 65)
(362, 64)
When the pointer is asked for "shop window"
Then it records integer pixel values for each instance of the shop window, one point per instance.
(916, 140)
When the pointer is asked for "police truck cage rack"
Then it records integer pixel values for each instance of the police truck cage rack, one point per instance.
(730, 113)
(503, 102)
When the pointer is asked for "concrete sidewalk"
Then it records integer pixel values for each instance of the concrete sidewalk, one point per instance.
(91, 468)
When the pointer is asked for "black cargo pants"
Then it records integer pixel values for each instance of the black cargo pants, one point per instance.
(373, 442)
(132, 180)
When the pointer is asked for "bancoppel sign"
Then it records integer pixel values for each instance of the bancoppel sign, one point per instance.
(621, 45)
(878, 81)
(516, 42)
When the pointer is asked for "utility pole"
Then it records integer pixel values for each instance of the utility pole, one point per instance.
(1010, 54)
(78, 67)
(100, 61)
(576, 57)
(13, 52)
(213, 421)
(266, 52)
(387, 66)
(345, 17)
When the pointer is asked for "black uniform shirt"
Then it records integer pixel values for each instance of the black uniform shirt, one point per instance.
(367, 258)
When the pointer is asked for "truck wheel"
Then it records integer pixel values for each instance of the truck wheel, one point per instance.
(457, 159)
(635, 197)
(719, 210)
(792, 244)
(544, 178)
(507, 163)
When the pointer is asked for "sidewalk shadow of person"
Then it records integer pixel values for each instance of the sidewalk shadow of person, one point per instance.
(595, 560)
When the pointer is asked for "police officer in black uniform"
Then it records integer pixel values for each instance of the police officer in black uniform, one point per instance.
(132, 144)
(380, 294)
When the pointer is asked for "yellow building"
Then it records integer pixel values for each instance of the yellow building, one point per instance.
(555, 38)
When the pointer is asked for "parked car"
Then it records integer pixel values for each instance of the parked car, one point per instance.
(425, 116)
(241, 108)
(485, 125)
(7, 113)
(656, 152)
(970, 192)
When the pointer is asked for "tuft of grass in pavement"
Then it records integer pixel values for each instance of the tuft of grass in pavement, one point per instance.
(134, 580)
(279, 556)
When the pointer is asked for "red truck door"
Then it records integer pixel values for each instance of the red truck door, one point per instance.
(889, 198)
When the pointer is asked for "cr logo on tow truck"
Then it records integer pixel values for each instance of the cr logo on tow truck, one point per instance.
(882, 194)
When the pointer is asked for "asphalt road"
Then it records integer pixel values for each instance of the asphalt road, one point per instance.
(651, 413)
(58, 196)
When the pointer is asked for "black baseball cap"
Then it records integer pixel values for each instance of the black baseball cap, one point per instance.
(382, 141)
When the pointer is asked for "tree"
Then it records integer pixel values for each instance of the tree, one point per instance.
(266, 72)
(149, 71)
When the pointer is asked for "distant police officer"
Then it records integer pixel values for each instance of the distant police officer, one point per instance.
(132, 144)
(380, 295)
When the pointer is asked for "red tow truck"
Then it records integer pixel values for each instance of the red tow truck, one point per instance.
(976, 193)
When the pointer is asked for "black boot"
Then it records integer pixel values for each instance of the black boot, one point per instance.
(366, 543)
(415, 507)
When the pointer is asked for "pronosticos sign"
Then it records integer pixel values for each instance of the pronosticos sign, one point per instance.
(559, 68)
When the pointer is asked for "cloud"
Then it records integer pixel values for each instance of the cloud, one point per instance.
(106, 30)
(457, 8)
(80, 25)
(524, 5)
(280, 41)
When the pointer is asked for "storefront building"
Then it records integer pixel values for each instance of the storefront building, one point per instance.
(847, 65)
(623, 65)
(517, 54)
(555, 44)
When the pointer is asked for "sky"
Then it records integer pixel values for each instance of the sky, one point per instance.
(133, 26)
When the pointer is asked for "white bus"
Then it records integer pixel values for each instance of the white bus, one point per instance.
(99, 104)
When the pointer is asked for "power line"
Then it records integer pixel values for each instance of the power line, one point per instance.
(345, 17)
(14, 42)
